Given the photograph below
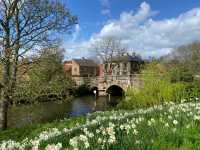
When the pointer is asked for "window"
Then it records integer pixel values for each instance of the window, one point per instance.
(125, 68)
(106, 66)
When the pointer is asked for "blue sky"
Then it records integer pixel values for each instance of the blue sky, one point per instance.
(148, 21)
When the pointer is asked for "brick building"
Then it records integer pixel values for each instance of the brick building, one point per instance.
(81, 67)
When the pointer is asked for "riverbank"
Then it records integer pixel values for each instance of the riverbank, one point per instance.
(31, 131)
(42, 99)
(23, 115)
(168, 126)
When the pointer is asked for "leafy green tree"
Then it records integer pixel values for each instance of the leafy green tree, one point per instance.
(46, 78)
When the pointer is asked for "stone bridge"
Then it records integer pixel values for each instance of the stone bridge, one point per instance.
(109, 84)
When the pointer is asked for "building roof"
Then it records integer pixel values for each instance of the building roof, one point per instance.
(126, 58)
(68, 62)
(86, 62)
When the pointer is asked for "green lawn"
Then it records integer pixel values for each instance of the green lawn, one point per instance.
(31, 131)
(170, 126)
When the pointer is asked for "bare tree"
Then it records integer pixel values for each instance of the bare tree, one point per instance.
(28, 25)
(186, 57)
(107, 49)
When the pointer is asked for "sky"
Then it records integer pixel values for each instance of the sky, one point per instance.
(151, 28)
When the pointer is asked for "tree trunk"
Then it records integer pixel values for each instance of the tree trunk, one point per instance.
(14, 76)
(5, 93)
(16, 52)
(5, 96)
(3, 115)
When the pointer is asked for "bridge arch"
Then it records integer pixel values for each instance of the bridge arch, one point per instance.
(115, 90)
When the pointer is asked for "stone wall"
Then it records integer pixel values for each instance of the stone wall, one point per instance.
(103, 84)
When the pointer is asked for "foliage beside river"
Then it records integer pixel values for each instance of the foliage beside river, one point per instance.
(160, 84)
(167, 126)
(43, 79)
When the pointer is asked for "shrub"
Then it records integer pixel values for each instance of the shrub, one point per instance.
(193, 89)
(153, 92)
(159, 86)
(179, 75)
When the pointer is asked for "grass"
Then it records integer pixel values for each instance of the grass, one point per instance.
(169, 126)
(32, 131)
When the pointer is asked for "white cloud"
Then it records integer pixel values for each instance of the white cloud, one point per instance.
(106, 11)
(150, 37)
(76, 33)
(105, 4)
(76, 49)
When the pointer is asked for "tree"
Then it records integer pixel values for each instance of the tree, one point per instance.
(27, 25)
(186, 57)
(107, 49)
(44, 79)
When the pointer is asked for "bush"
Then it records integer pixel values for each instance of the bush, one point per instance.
(193, 89)
(179, 75)
(153, 92)
(159, 86)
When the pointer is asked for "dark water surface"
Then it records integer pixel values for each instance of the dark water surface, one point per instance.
(49, 111)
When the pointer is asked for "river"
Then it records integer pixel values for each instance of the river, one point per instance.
(23, 115)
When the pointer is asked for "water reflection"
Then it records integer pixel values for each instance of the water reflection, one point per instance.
(49, 111)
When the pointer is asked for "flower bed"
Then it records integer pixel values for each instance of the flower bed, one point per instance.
(168, 126)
